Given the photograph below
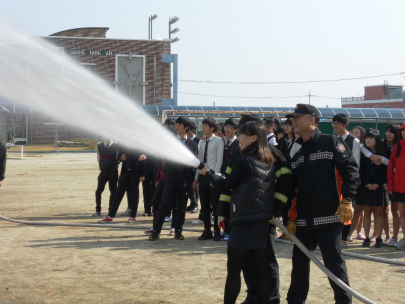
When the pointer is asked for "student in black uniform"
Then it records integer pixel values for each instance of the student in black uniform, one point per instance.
(252, 182)
(3, 159)
(148, 185)
(231, 147)
(132, 172)
(107, 154)
(193, 194)
(269, 124)
(287, 142)
(373, 193)
(177, 183)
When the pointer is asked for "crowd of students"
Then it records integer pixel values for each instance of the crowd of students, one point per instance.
(290, 171)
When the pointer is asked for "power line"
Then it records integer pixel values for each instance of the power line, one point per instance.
(289, 82)
(255, 97)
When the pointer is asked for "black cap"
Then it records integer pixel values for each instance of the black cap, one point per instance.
(246, 118)
(302, 109)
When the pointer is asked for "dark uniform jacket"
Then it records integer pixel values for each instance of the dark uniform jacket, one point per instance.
(315, 179)
(283, 187)
(252, 184)
(3, 154)
(132, 163)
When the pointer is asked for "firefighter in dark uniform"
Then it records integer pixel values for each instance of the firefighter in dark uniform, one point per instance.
(317, 213)
(3, 157)
(283, 190)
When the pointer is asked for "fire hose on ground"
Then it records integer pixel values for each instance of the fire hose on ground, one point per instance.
(276, 222)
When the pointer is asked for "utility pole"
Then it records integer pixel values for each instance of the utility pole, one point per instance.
(309, 96)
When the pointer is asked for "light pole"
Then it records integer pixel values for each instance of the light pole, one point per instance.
(151, 18)
(172, 21)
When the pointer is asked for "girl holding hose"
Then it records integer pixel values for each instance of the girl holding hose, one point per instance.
(252, 182)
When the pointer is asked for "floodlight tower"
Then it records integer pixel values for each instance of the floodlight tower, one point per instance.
(172, 21)
(151, 18)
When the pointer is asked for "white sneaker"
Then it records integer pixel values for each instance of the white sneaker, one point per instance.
(349, 239)
(197, 222)
(126, 212)
(401, 245)
(171, 233)
(168, 219)
(393, 242)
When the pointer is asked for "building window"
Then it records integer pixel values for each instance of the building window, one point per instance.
(387, 107)
(88, 66)
(375, 107)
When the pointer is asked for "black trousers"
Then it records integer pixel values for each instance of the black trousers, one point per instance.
(193, 195)
(148, 187)
(126, 182)
(345, 232)
(175, 191)
(329, 241)
(272, 270)
(110, 176)
(209, 198)
(157, 198)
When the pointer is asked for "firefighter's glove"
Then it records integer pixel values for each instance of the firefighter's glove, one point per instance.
(292, 229)
(345, 210)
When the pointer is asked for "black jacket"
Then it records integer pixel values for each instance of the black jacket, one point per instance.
(283, 188)
(173, 169)
(252, 184)
(3, 158)
(315, 170)
(131, 163)
(370, 173)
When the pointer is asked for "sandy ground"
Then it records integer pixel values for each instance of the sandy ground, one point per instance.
(43, 264)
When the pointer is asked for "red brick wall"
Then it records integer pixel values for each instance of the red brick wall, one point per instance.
(374, 93)
(105, 64)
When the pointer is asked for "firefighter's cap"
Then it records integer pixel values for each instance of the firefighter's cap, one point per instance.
(302, 109)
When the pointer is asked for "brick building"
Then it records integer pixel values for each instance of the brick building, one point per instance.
(378, 96)
(118, 60)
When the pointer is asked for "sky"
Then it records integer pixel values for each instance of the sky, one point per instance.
(249, 41)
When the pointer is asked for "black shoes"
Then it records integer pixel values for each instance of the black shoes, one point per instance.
(366, 243)
(179, 236)
(192, 209)
(217, 236)
(206, 235)
(147, 214)
(155, 236)
(250, 299)
(378, 242)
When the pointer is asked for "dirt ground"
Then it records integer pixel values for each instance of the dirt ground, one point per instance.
(45, 264)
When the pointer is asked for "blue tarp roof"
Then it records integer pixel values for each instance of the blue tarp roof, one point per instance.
(325, 112)
(368, 113)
